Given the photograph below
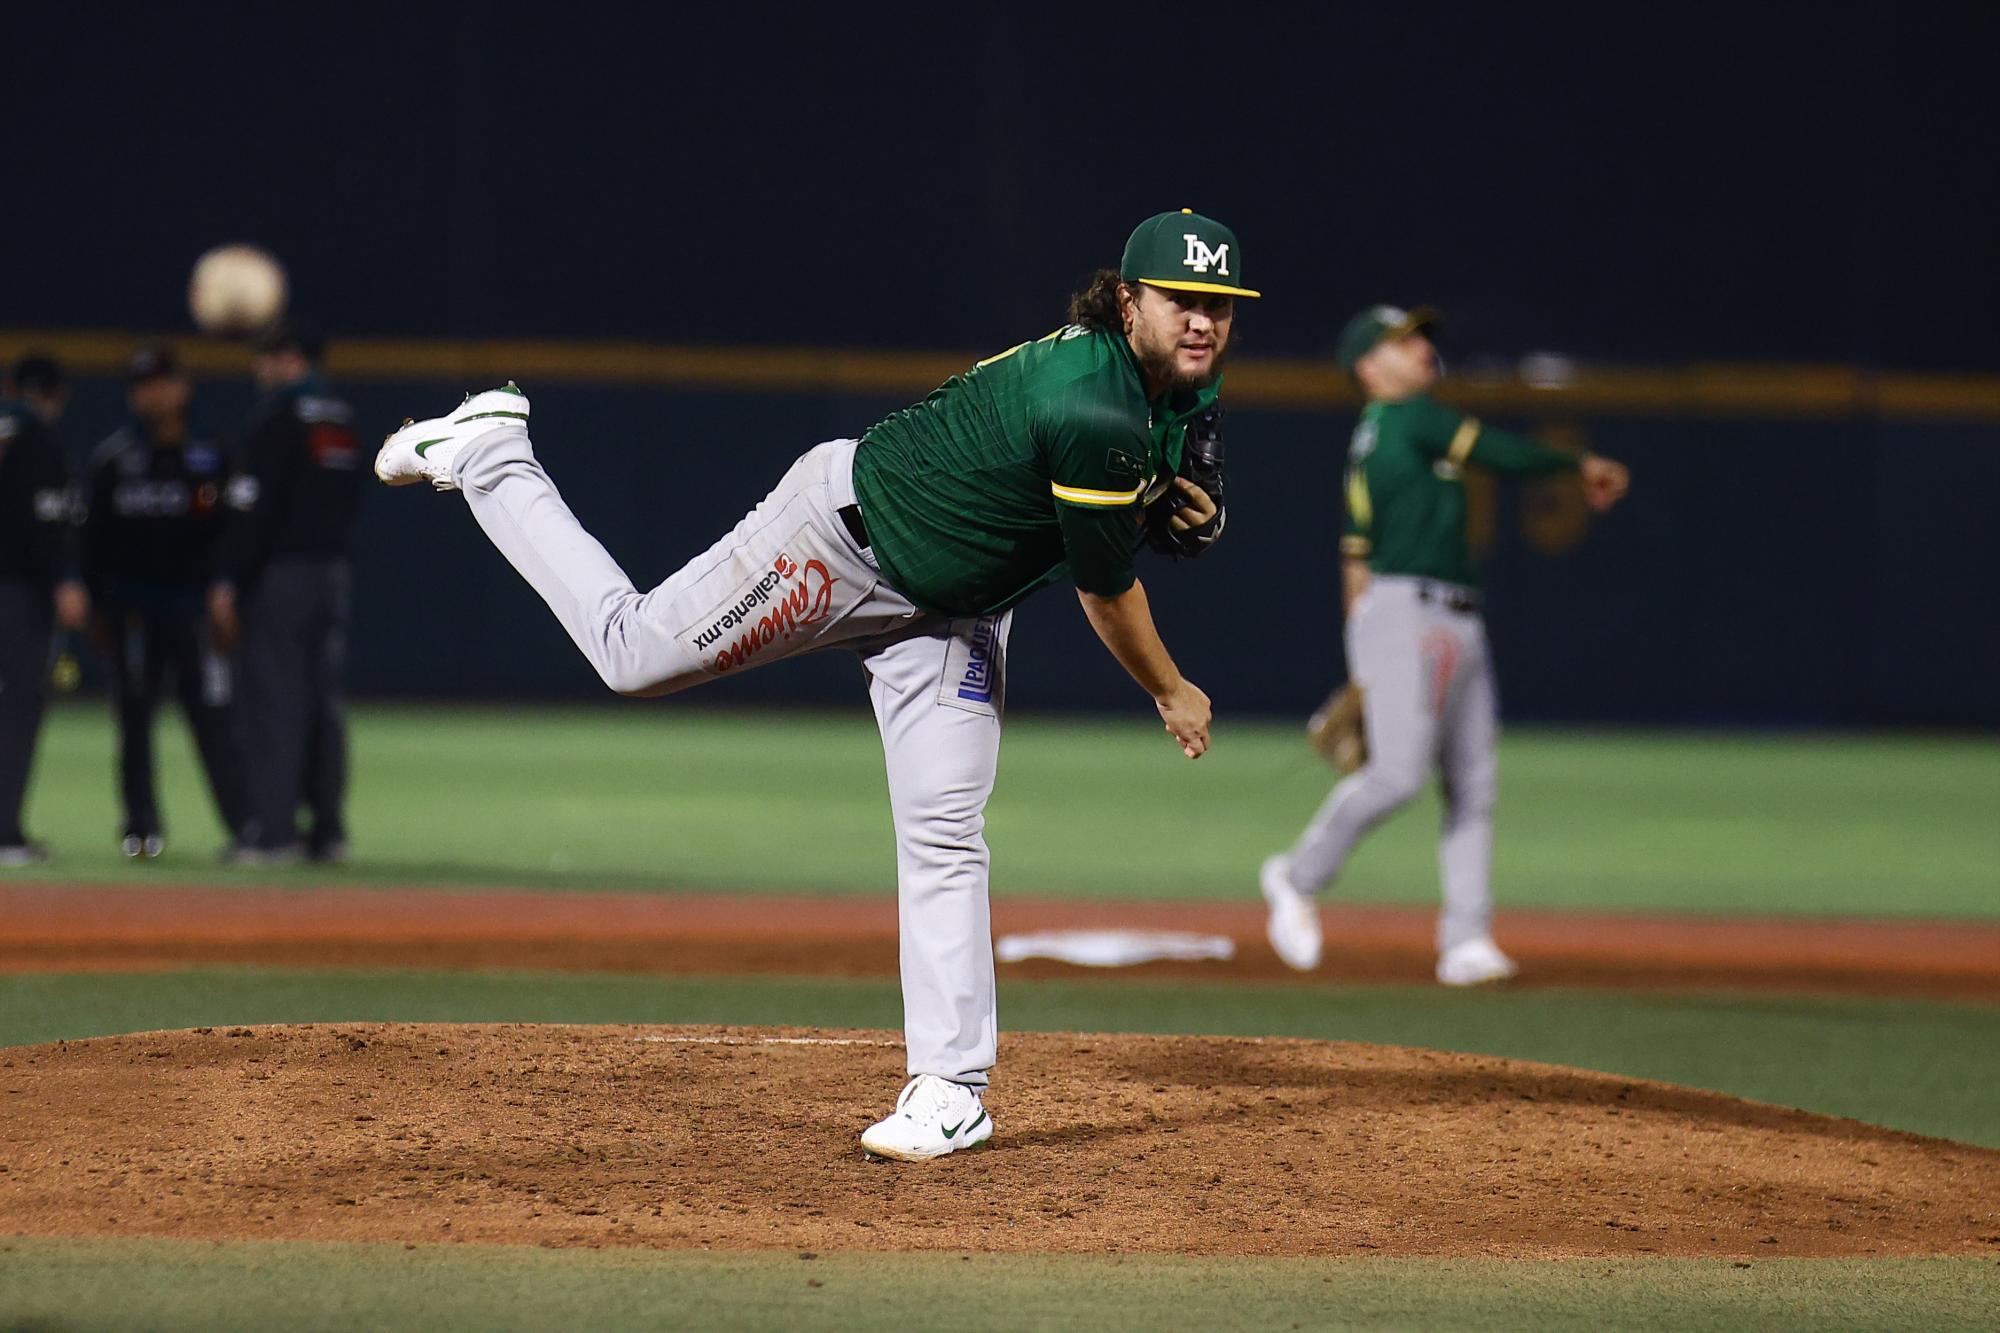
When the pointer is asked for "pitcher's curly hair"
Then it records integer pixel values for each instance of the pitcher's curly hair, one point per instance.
(1096, 303)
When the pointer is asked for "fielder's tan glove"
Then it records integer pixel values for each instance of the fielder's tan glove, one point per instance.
(1337, 730)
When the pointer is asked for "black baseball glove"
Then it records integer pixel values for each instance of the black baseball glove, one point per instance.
(1201, 463)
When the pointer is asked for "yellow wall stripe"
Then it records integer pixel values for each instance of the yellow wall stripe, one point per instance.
(1735, 390)
(1076, 495)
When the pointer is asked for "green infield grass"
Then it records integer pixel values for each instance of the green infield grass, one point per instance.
(99, 1284)
(662, 796)
(1927, 1067)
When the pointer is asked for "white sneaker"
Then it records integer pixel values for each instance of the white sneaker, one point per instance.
(1474, 963)
(423, 450)
(1293, 928)
(933, 1116)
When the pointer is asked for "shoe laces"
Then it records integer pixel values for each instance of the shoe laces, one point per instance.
(935, 1094)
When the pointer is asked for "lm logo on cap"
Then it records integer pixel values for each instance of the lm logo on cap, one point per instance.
(1199, 256)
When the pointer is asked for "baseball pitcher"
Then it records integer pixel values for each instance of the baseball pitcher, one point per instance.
(1416, 646)
(910, 547)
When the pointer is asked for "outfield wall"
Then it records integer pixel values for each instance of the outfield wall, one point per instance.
(1798, 549)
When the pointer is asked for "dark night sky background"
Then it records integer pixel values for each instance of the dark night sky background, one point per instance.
(1643, 185)
(1795, 183)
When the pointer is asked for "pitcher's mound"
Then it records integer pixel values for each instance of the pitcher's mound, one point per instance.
(679, 1137)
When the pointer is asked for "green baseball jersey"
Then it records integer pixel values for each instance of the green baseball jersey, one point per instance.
(1406, 486)
(1034, 464)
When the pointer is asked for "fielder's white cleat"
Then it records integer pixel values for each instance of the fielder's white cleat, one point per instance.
(1474, 963)
(933, 1116)
(423, 450)
(1293, 927)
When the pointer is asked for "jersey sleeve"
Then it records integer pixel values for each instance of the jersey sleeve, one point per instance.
(41, 502)
(98, 518)
(55, 516)
(1097, 477)
(1357, 528)
(1442, 433)
(1515, 455)
(256, 498)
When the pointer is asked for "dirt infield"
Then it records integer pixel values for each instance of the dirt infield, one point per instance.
(678, 1137)
(67, 928)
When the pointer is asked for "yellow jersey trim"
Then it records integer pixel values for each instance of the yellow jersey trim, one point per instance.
(1462, 442)
(1002, 356)
(1076, 495)
(1221, 288)
(1360, 506)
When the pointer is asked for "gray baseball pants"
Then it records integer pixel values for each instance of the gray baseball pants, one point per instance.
(789, 579)
(1430, 702)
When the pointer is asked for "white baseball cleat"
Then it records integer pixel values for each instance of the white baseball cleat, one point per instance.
(423, 450)
(1293, 927)
(933, 1116)
(1474, 963)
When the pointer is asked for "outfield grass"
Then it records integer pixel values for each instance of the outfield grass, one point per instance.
(262, 1285)
(1927, 1067)
(660, 796)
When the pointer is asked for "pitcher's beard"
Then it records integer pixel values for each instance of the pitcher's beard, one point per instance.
(1156, 365)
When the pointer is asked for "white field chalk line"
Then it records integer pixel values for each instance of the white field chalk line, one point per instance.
(769, 1041)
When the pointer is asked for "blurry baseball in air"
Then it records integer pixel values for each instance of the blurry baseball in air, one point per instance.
(236, 290)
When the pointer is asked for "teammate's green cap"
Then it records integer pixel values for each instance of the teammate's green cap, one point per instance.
(1187, 252)
(1376, 325)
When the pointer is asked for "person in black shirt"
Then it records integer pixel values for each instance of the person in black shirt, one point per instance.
(38, 588)
(283, 585)
(152, 516)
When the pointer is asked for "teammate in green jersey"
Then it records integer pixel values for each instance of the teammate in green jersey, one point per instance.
(1416, 647)
(909, 548)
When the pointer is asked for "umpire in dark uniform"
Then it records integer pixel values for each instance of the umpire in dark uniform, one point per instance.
(152, 515)
(38, 587)
(283, 590)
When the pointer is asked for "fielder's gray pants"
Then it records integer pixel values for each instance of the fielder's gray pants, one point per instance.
(790, 579)
(1430, 701)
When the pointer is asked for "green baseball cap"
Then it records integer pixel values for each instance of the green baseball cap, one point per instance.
(1186, 252)
(1376, 325)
